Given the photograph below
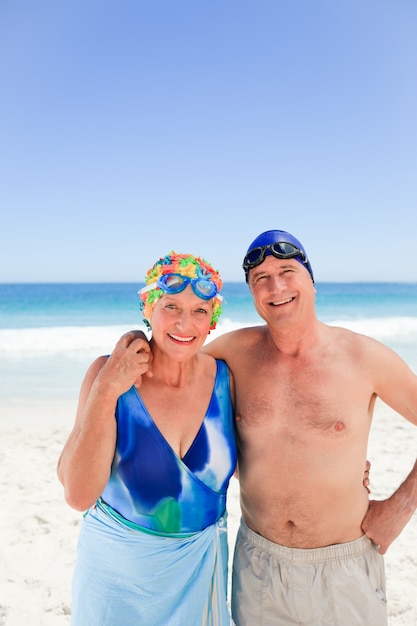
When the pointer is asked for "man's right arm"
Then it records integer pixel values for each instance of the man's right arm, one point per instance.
(220, 347)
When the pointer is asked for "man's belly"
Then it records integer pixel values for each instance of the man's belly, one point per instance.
(308, 516)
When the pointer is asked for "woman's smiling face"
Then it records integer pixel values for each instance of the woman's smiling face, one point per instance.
(181, 322)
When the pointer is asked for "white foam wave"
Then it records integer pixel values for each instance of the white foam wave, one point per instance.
(101, 339)
(382, 328)
(57, 339)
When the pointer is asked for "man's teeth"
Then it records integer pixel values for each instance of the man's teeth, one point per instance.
(282, 301)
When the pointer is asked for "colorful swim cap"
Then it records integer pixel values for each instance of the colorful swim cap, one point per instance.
(186, 265)
(264, 245)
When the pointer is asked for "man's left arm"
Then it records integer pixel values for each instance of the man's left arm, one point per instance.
(396, 385)
(385, 519)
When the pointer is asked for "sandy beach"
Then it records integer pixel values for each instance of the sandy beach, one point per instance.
(39, 531)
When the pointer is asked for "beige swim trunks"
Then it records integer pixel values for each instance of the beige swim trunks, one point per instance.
(339, 585)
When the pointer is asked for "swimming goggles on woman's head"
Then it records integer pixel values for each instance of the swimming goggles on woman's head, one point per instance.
(175, 283)
(280, 250)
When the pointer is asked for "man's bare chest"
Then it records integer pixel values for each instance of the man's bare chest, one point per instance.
(295, 401)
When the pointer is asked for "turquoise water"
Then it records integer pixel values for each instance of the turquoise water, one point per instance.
(106, 304)
(49, 333)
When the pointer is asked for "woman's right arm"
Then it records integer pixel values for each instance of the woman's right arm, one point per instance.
(85, 462)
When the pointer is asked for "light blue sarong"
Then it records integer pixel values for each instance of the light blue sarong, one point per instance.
(126, 577)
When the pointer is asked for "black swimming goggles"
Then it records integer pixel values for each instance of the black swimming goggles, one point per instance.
(280, 250)
(175, 283)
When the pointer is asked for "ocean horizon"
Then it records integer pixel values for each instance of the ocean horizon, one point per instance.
(50, 332)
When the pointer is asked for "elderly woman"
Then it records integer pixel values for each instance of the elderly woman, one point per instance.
(152, 465)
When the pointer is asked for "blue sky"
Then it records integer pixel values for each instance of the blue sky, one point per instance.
(131, 128)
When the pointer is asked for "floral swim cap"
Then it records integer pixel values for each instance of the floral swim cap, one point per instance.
(186, 265)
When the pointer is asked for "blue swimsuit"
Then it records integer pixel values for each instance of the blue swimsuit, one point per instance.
(152, 487)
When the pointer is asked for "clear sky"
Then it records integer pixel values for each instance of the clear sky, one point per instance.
(132, 127)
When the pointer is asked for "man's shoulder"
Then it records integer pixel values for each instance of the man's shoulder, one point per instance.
(241, 334)
(228, 344)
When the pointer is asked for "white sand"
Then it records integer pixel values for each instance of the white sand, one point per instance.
(39, 531)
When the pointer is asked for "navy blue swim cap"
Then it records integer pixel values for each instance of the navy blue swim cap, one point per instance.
(264, 245)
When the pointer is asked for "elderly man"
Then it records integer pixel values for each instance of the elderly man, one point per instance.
(309, 548)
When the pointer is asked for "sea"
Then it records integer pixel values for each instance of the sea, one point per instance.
(50, 333)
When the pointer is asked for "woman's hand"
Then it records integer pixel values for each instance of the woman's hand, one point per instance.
(130, 360)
